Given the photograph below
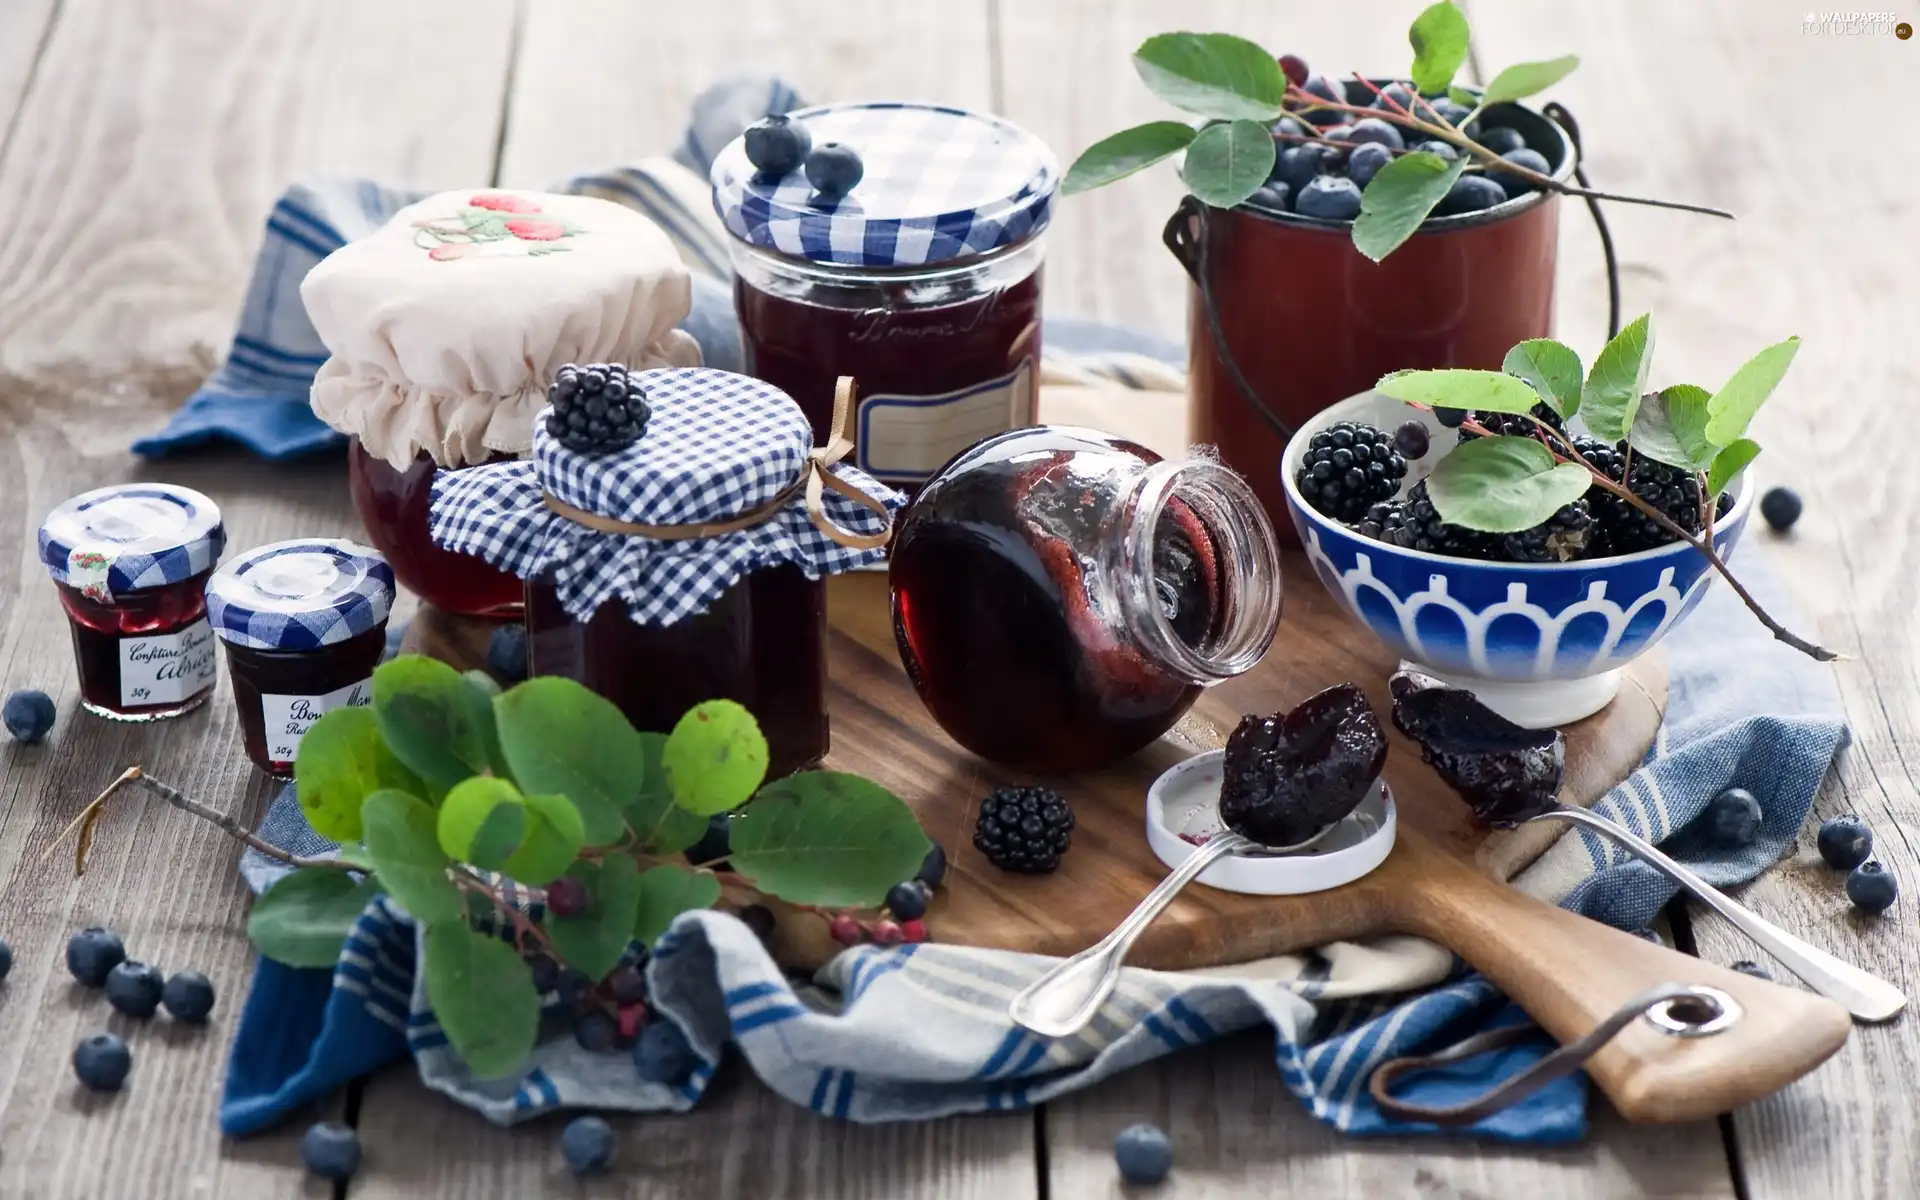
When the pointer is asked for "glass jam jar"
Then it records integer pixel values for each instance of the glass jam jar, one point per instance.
(393, 509)
(304, 623)
(1061, 596)
(923, 283)
(131, 563)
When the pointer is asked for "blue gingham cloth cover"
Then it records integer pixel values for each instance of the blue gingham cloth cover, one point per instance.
(128, 536)
(717, 445)
(938, 184)
(300, 595)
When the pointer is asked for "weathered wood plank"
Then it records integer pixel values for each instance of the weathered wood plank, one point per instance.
(1667, 97)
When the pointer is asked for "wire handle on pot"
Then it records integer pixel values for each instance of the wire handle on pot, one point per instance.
(1558, 114)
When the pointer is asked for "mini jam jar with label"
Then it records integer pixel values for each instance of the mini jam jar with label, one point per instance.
(923, 282)
(305, 623)
(131, 562)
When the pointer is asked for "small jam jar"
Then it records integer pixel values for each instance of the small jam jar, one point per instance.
(445, 327)
(1061, 596)
(923, 282)
(685, 567)
(304, 623)
(131, 562)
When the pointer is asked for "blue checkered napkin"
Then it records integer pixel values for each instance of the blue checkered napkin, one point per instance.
(717, 445)
(146, 534)
(939, 184)
(300, 595)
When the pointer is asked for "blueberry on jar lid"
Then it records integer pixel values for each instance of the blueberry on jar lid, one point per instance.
(596, 409)
(777, 145)
(834, 169)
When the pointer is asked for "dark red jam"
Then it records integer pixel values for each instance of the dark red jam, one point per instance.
(145, 654)
(394, 506)
(762, 644)
(281, 693)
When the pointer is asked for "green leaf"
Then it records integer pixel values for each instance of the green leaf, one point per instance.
(412, 867)
(1553, 370)
(1215, 75)
(1457, 387)
(1734, 405)
(594, 939)
(715, 758)
(1227, 163)
(1124, 153)
(484, 682)
(1671, 426)
(661, 826)
(433, 719)
(483, 821)
(553, 841)
(302, 920)
(482, 994)
(1463, 95)
(1503, 484)
(1524, 79)
(1612, 393)
(562, 739)
(1730, 462)
(342, 760)
(1439, 37)
(1399, 199)
(827, 838)
(668, 891)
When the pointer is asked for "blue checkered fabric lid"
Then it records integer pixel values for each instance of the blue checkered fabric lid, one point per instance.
(716, 446)
(300, 595)
(939, 184)
(130, 536)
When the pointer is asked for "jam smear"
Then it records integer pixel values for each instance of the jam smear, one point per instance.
(99, 629)
(1505, 772)
(298, 680)
(394, 506)
(1288, 776)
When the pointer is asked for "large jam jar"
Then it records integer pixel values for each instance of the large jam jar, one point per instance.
(923, 282)
(445, 328)
(687, 566)
(304, 623)
(1061, 596)
(131, 564)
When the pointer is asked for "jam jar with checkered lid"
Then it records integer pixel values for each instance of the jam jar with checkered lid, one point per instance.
(687, 564)
(304, 623)
(131, 562)
(922, 280)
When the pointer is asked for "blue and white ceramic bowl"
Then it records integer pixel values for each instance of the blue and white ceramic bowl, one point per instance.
(1541, 643)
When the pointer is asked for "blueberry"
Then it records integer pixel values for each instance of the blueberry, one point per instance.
(1329, 197)
(1845, 842)
(6, 959)
(188, 997)
(1339, 135)
(1444, 149)
(1365, 162)
(1452, 418)
(92, 953)
(135, 988)
(330, 1150)
(1780, 506)
(1143, 1154)
(1470, 193)
(714, 845)
(1515, 185)
(834, 169)
(907, 901)
(574, 987)
(1272, 197)
(29, 716)
(1454, 111)
(587, 1143)
(1302, 164)
(1398, 93)
(596, 1032)
(102, 1062)
(1378, 132)
(1325, 89)
(1287, 127)
(1871, 887)
(1411, 439)
(507, 653)
(663, 1055)
(1733, 818)
(627, 984)
(1747, 966)
(777, 145)
(933, 868)
(1497, 138)
(546, 973)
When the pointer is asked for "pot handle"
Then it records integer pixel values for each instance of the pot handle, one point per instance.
(1558, 114)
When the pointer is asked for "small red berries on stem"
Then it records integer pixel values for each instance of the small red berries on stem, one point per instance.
(846, 930)
(566, 897)
(1295, 68)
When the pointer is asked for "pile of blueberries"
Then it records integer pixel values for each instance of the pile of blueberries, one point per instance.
(98, 959)
(778, 145)
(1325, 159)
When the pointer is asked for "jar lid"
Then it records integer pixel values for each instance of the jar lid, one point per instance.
(300, 595)
(130, 536)
(723, 481)
(938, 184)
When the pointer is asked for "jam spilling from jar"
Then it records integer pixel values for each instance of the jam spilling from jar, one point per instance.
(144, 654)
(394, 506)
(281, 693)
(1506, 773)
(762, 644)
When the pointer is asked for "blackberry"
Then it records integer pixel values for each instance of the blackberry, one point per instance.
(1562, 537)
(596, 408)
(1024, 829)
(1672, 490)
(1609, 512)
(1515, 425)
(1383, 520)
(1348, 468)
(1421, 528)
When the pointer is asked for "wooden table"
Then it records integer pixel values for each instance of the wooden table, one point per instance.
(143, 141)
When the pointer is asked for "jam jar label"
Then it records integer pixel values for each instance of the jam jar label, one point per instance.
(166, 669)
(287, 718)
(908, 438)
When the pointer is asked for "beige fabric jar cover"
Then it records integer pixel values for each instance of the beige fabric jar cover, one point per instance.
(446, 326)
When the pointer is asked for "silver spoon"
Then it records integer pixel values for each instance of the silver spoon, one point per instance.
(1061, 1002)
(1868, 997)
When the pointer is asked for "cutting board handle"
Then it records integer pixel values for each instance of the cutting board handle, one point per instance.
(1570, 974)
